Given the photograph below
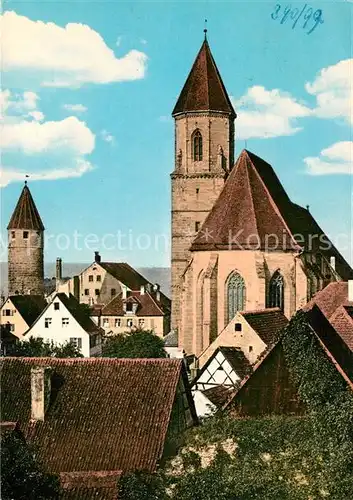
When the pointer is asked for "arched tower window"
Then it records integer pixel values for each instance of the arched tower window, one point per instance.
(197, 145)
(276, 291)
(236, 295)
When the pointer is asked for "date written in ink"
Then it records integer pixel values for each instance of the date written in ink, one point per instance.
(310, 19)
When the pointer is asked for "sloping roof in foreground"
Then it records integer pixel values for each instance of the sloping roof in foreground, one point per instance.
(29, 306)
(269, 389)
(267, 323)
(104, 414)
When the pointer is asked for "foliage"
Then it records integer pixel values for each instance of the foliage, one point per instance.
(39, 348)
(22, 478)
(141, 486)
(275, 457)
(135, 344)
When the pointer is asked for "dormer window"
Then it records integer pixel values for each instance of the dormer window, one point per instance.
(197, 145)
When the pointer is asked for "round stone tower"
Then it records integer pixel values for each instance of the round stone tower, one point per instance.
(25, 248)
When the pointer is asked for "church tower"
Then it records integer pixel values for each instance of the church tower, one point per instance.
(204, 155)
(25, 248)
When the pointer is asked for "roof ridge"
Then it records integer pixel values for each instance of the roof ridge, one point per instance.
(92, 360)
(250, 190)
(261, 311)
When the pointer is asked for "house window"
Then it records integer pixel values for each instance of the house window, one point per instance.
(11, 327)
(76, 341)
(117, 322)
(56, 306)
(197, 226)
(141, 323)
(25, 235)
(129, 323)
(105, 322)
(197, 145)
(129, 306)
(90, 277)
(113, 292)
(7, 312)
(250, 348)
(275, 291)
(47, 322)
(96, 291)
(98, 277)
(64, 321)
(236, 295)
(86, 291)
(197, 191)
(237, 327)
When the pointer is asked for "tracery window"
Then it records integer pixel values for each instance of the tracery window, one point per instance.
(276, 291)
(236, 295)
(197, 145)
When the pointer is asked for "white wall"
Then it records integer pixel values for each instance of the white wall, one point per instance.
(203, 406)
(56, 331)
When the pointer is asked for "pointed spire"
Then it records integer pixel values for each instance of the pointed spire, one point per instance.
(204, 89)
(26, 215)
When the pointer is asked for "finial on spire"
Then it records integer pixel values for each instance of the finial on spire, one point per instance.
(205, 29)
(26, 177)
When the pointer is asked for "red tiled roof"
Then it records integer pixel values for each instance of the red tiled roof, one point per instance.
(219, 394)
(89, 485)
(204, 89)
(253, 211)
(147, 305)
(267, 323)
(246, 210)
(26, 215)
(333, 302)
(104, 414)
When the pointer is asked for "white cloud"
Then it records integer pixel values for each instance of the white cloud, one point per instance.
(78, 168)
(107, 137)
(38, 116)
(266, 113)
(337, 159)
(33, 137)
(24, 104)
(75, 108)
(64, 57)
(334, 91)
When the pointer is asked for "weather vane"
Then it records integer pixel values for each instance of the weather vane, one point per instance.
(205, 29)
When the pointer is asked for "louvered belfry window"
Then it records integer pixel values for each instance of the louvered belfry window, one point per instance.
(236, 292)
(276, 291)
(197, 145)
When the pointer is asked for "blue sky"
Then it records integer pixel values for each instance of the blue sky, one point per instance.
(87, 92)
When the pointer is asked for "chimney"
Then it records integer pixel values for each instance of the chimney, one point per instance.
(97, 257)
(333, 262)
(142, 290)
(76, 291)
(156, 289)
(40, 391)
(59, 270)
(350, 290)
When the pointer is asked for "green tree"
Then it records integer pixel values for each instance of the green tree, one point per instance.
(135, 344)
(22, 477)
(39, 348)
(141, 486)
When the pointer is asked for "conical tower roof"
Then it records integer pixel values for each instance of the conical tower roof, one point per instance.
(26, 215)
(204, 89)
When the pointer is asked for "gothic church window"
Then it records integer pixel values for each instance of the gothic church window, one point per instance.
(236, 295)
(275, 292)
(197, 145)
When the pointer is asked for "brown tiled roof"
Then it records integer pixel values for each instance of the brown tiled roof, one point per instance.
(236, 359)
(104, 414)
(147, 305)
(90, 485)
(29, 306)
(204, 89)
(267, 323)
(253, 205)
(333, 302)
(26, 215)
(219, 394)
(246, 210)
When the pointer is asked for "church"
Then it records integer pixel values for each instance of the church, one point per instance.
(238, 242)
